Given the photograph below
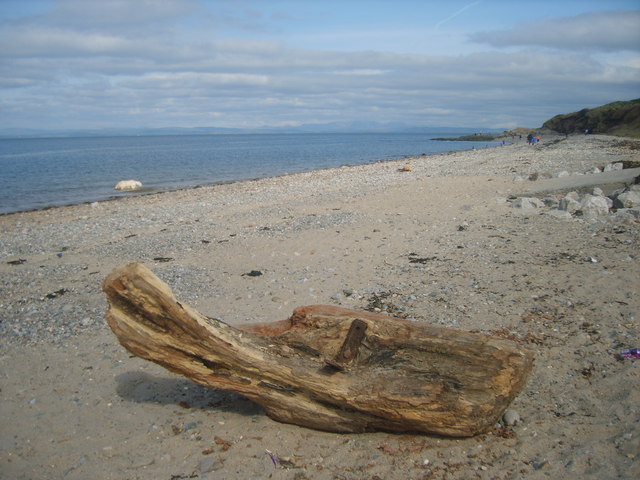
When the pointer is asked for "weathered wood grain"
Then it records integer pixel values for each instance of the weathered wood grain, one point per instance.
(326, 367)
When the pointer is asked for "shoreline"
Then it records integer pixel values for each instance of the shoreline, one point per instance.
(141, 192)
(409, 159)
(439, 242)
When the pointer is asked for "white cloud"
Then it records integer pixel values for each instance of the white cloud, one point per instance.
(609, 31)
(361, 72)
(78, 74)
(117, 13)
(191, 81)
(47, 41)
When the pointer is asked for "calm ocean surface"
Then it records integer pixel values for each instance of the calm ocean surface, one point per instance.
(44, 172)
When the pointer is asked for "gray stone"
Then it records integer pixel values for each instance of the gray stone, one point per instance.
(593, 207)
(635, 211)
(142, 462)
(511, 418)
(209, 464)
(597, 192)
(569, 204)
(630, 214)
(628, 199)
(610, 167)
(573, 196)
(564, 173)
(551, 201)
(527, 203)
(609, 202)
(617, 192)
(560, 214)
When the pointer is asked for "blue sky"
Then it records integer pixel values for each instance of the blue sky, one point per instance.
(69, 64)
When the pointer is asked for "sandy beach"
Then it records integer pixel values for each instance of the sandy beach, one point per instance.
(437, 239)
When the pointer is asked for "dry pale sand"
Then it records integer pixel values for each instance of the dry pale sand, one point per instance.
(437, 244)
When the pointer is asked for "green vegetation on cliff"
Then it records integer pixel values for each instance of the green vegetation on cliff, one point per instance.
(617, 118)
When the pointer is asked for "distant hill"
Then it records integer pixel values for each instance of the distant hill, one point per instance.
(474, 137)
(333, 127)
(617, 118)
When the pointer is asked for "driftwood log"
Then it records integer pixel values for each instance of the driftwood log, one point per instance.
(326, 367)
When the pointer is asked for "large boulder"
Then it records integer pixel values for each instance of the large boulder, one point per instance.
(127, 185)
(627, 215)
(570, 202)
(594, 206)
(628, 199)
(612, 167)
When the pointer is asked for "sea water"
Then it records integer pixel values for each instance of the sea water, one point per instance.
(37, 173)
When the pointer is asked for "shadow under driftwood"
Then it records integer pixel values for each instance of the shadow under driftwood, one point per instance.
(141, 387)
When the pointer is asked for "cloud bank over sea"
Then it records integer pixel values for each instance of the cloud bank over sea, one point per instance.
(72, 64)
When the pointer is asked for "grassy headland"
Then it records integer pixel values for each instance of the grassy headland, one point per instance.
(618, 118)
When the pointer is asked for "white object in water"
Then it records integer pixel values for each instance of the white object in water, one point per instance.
(128, 185)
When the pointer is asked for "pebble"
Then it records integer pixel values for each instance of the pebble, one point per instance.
(143, 462)
(209, 464)
(511, 418)
(541, 465)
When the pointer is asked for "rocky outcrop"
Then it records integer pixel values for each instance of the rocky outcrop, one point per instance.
(617, 118)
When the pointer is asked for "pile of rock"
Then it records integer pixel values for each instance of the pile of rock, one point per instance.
(610, 167)
(624, 203)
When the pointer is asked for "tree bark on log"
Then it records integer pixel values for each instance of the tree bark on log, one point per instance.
(326, 367)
